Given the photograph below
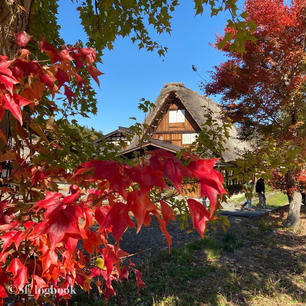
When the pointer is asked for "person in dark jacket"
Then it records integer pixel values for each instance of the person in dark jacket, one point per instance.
(260, 189)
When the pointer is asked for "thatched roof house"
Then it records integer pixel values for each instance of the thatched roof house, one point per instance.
(178, 116)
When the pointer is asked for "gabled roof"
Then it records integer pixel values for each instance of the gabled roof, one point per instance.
(153, 144)
(121, 129)
(198, 106)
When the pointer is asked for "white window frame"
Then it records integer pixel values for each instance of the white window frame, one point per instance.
(189, 138)
(177, 116)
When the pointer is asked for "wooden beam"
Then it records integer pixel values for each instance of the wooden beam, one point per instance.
(176, 132)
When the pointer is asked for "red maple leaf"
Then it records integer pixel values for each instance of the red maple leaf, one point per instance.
(109, 170)
(69, 93)
(50, 50)
(10, 104)
(199, 215)
(51, 203)
(173, 173)
(49, 258)
(21, 100)
(163, 228)
(61, 77)
(47, 80)
(167, 212)
(60, 224)
(89, 53)
(91, 242)
(101, 213)
(37, 284)
(8, 81)
(22, 38)
(11, 237)
(140, 204)
(211, 180)
(65, 54)
(79, 80)
(4, 279)
(20, 273)
(118, 220)
(94, 72)
(139, 281)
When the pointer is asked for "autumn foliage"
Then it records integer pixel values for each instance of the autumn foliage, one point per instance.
(268, 76)
(51, 240)
(264, 89)
(278, 181)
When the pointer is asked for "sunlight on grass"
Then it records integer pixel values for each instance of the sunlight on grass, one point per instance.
(278, 199)
(280, 299)
(166, 301)
(273, 199)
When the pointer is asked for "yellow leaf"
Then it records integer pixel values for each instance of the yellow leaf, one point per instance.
(100, 263)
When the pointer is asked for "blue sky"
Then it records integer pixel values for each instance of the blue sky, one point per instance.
(131, 74)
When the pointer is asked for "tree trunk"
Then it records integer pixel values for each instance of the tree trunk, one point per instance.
(13, 19)
(295, 201)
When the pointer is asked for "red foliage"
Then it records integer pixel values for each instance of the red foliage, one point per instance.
(22, 74)
(62, 221)
(278, 181)
(256, 84)
(39, 241)
(199, 215)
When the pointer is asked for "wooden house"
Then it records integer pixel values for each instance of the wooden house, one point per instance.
(122, 134)
(176, 120)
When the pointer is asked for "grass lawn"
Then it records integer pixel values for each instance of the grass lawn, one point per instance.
(273, 199)
(253, 263)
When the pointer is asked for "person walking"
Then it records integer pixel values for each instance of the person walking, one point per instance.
(248, 192)
(260, 189)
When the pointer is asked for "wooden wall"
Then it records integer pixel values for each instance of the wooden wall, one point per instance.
(172, 132)
(191, 189)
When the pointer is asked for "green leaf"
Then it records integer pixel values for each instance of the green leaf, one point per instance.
(227, 38)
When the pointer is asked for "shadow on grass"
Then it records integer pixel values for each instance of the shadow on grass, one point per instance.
(251, 264)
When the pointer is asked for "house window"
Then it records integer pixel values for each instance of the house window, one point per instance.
(177, 116)
(189, 138)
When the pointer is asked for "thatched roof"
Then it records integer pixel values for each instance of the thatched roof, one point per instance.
(198, 106)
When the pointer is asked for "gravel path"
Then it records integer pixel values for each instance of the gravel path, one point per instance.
(150, 240)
